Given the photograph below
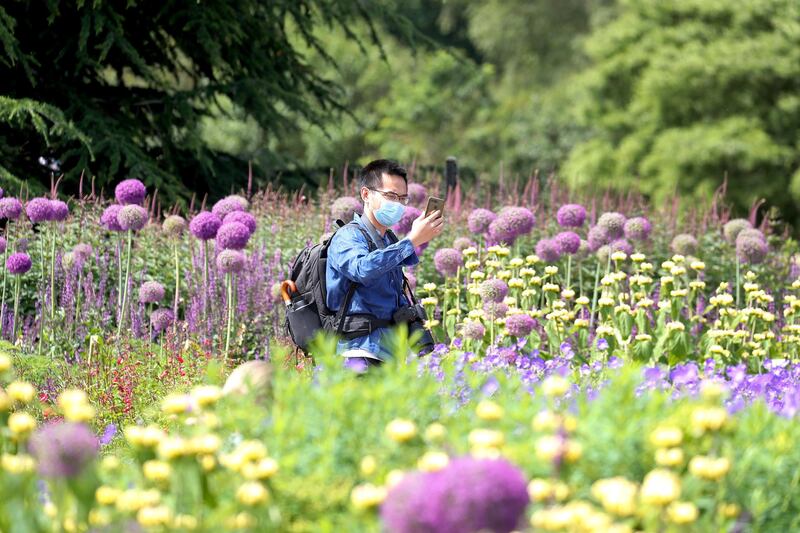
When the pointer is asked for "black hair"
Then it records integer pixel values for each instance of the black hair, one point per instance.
(372, 175)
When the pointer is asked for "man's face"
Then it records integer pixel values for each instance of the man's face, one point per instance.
(391, 185)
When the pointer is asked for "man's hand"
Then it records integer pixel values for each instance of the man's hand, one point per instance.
(425, 228)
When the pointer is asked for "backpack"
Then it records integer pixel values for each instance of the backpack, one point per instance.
(307, 310)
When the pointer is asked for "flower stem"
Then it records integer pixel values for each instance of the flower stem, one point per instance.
(125, 285)
(53, 280)
(738, 281)
(177, 282)
(16, 307)
(229, 283)
(594, 294)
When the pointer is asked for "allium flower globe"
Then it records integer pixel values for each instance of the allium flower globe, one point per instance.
(638, 229)
(417, 193)
(511, 223)
(751, 233)
(410, 214)
(63, 449)
(59, 211)
(233, 236)
(109, 218)
(495, 309)
(684, 244)
(151, 292)
(621, 245)
(83, 250)
(242, 217)
(10, 208)
(230, 261)
(473, 330)
(568, 242)
(493, 290)
(132, 217)
(38, 210)
(479, 220)
(750, 249)
(448, 261)
(226, 206)
(174, 225)
(18, 263)
(603, 254)
(597, 237)
(462, 243)
(571, 216)
(345, 207)
(733, 227)
(583, 250)
(548, 250)
(204, 225)
(519, 325)
(130, 191)
(161, 319)
(613, 223)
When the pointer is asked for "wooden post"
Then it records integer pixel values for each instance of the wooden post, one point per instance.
(450, 175)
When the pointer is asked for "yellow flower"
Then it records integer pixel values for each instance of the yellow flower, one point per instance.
(251, 450)
(99, 517)
(17, 464)
(134, 499)
(616, 494)
(252, 493)
(242, 520)
(666, 436)
(79, 412)
(207, 462)
(172, 447)
(263, 469)
(489, 410)
(555, 386)
(184, 521)
(401, 430)
(109, 463)
(71, 398)
(549, 447)
(573, 452)
(154, 516)
(619, 256)
(469, 252)
(710, 468)
(368, 465)
(486, 438)
(660, 487)
(367, 495)
(394, 477)
(433, 461)
(5, 362)
(539, 490)
(106, 495)
(430, 300)
(156, 470)
(206, 444)
(709, 419)
(729, 510)
(21, 424)
(669, 456)
(682, 512)
(435, 432)
(206, 395)
(21, 391)
(175, 404)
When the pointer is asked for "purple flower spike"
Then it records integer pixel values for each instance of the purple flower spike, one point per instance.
(571, 216)
(568, 242)
(448, 261)
(18, 263)
(130, 191)
(38, 210)
(204, 225)
(233, 236)
(548, 250)
(63, 449)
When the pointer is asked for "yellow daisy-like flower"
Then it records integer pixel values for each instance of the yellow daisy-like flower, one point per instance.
(367, 496)
(660, 487)
(682, 512)
(433, 461)
(489, 410)
(401, 430)
(21, 391)
(252, 493)
(666, 436)
(21, 424)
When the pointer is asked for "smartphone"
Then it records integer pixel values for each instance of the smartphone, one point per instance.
(434, 204)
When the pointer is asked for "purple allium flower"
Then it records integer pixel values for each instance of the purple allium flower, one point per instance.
(204, 225)
(417, 193)
(568, 242)
(230, 261)
(473, 330)
(462, 243)
(226, 206)
(495, 309)
(751, 233)
(733, 227)
(132, 217)
(511, 223)
(548, 250)
(81, 252)
(621, 245)
(603, 253)
(130, 191)
(174, 225)
(2, 192)
(233, 236)
(242, 217)
(151, 292)
(519, 325)
(18, 263)
(597, 237)
(684, 244)
(480, 219)
(241, 200)
(38, 210)
(3, 245)
(63, 449)
(750, 249)
(468, 495)
(638, 229)
(59, 211)
(583, 250)
(448, 261)
(410, 214)
(109, 218)
(161, 319)
(613, 223)
(10, 208)
(571, 216)
(345, 207)
(493, 290)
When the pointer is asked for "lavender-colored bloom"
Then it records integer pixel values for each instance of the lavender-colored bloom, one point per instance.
(233, 236)
(621, 245)
(204, 225)
(174, 225)
(493, 290)
(519, 325)
(684, 244)
(241, 200)
(410, 214)
(750, 249)
(597, 237)
(3, 245)
(602, 344)
(132, 217)
(462, 243)
(151, 292)
(83, 250)
(10, 208)
(613, 223)
(448, 261)
(733, 227)
(2, 192)
(468, 495)
(161, 319)
(63, 449)
(480, 219)
(18, 263)
(548, 250)
(571, 216)
(495, 309)
(242, 217)
(473, 330)
(568, 242)
(511, 223)
(59, 211)
(638, 229)
(109, 218)
(751, 233)
(130, 191)
(226, 206)
(230, 261)
(38, 210)
(417, 193)
(109, 433)
(345, 207)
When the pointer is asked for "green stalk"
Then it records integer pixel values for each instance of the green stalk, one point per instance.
(738, 281)
(5, 273)
(177, 282)
(229, 284)
(78, 298)
(205, 280)
(16, 307)
(594, 294)
(580, 278)
(43, 320)
(53, 279)
(119, 273)
(569, 270)
(125, 287)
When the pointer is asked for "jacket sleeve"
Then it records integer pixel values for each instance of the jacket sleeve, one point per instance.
(349, 254)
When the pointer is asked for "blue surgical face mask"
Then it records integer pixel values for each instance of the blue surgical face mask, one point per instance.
(389, 213)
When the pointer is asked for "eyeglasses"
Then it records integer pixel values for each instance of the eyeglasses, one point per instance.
(392, 197)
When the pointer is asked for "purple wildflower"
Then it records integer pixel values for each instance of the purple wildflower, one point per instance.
(233, 236)
(59, 211)
(83, 250)
(345, 207)
(511, 223)
(204, 225)
(242, 217)
(448, 261)
(752, 233)
(130, 191)
(597, 237)
(161, 319)
(495, 309)
(571, 216)
(174, 225)
(132, 217)
(750, 249)
(410, 214)
(519, 325)
(230, 261)
(462, 243)
(417, 193)
(493, 290)
(548, 250)
(479, 220)
(18, 263)
(638, 229)
(226, 206)
(63, 449)
(109, 433)
(602, 344)
(10, 208)
(473, 330)
(613, 223)
(621, 245)
(109, 218)
(684, 244)
(38, 210)
(151, 292)
(733, 227)
(568, 242)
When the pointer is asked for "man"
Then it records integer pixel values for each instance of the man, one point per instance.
(379, 275)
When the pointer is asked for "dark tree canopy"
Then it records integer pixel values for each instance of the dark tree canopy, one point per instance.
(120, 88)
